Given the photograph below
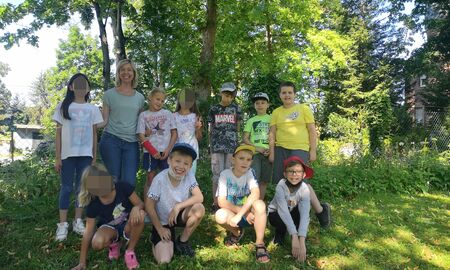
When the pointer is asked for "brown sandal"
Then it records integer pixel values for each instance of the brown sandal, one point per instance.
(233, 240)
(262, 255)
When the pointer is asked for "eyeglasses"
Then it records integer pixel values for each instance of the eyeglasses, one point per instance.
(294, 172)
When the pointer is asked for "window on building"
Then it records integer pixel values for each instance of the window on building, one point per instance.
(423, 81)
(37, 136)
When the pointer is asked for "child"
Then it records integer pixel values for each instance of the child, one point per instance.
(175, 200)
(76, 144)
(256, 133)
(119, 212)
(240, 206)
(188, 121)
(289, 209)
(224, 125)
(158, 124)
(293, 132)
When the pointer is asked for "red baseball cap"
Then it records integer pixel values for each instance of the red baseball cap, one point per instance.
(308, 170)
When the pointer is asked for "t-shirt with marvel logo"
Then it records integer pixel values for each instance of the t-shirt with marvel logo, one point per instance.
(116, 212)
(236, 189)
(292, 126)
(77, 134)
(224, 122)
(258, 126)
(160, 124)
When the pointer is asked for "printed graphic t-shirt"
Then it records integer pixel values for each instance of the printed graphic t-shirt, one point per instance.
(160, 123)
(116, 212)
(167, 196)
(77, 134)
(224, 121)
(235, 189)
(258, 126)
(292, 132)
(186, 129)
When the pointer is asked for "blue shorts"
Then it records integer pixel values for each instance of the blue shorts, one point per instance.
(119, 228)
(244, 223)
(151, 164)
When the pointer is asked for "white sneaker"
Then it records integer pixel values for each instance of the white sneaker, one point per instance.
(78, 226)
(61, 231)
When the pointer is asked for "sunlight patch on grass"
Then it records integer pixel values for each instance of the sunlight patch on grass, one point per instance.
(352, 261)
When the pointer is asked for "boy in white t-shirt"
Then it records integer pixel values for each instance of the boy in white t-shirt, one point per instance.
(240, 206)
(157, 133)
(175, 200)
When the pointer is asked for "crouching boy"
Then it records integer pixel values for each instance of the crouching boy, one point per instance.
(174, 200)
(240, 206)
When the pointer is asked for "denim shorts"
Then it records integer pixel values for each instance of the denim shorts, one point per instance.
(151, 164)
(119, 228)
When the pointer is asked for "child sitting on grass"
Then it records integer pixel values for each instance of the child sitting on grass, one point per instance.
(175, 200)
(119, 212)
(289, 209)
(240, 206)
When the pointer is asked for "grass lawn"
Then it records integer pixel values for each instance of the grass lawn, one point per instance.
(371, 231)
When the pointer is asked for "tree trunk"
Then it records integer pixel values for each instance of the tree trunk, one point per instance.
(203, 80)
(104, 44)
(119, 38)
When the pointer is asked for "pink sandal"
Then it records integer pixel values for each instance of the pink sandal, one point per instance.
(114, 251)
(131, 260)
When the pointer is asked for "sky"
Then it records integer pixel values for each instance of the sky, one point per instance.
(27, 62)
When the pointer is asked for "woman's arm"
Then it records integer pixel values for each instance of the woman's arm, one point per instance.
(105, 114)
(199, 128)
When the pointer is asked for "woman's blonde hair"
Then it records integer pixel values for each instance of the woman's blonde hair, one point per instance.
(119, 66)
(84, 197)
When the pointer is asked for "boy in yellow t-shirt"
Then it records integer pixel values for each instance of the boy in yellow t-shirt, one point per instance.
(293, 132)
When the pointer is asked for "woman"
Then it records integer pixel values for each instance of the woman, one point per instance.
(122, 104)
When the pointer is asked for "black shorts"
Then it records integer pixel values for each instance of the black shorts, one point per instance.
(180, 223)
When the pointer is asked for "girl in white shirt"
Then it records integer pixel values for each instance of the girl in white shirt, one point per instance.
(188, 122)
(76, 143)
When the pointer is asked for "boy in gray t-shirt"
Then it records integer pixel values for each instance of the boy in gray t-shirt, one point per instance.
(174, 200)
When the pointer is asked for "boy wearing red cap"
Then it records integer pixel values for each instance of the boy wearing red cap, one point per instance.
(289, 209)
(293, 133)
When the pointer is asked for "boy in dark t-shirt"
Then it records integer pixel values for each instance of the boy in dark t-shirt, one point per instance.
(224, 125)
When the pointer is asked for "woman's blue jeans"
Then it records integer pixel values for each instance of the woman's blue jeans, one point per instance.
(120, 157)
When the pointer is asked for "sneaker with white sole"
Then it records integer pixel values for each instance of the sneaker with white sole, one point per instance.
(61, 231)
(78, 226)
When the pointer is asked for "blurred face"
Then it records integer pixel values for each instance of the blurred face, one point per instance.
(186, 99)
(156, 101)
(227, 98)
(180, 164)
(294, 174)
(242, 161)
(287, 95)
(261, 106)
(126, 73)
(80, 87)
(99, 185)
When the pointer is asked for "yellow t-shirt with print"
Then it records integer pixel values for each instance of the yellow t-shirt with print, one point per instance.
(292, 132)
